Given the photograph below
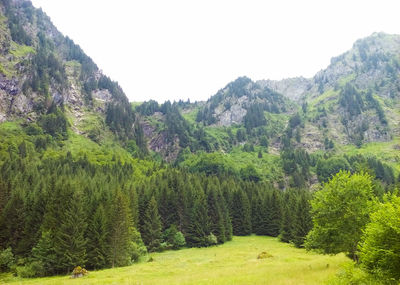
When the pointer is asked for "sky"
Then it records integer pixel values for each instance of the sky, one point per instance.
(185, 49)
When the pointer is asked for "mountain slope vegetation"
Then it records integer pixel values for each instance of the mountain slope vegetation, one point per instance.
(90, 179)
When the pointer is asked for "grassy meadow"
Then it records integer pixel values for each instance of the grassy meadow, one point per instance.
(232, 263)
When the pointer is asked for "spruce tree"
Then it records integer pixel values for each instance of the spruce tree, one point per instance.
(274, 214)
(45, 253)
(286, 227)
(120, 228)
(152, 226)
(215, 213)
(241, 214)
(198, 228)
(288, 206)
(70, 241)
(97, 239)
(302, 223)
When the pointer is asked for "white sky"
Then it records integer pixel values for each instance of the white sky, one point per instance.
(180, 49)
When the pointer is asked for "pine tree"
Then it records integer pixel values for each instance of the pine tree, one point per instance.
(241, 214)
(302, 223)
(274, 215)
(198, 228)
(286, 227)
(215, 213)
(288, 206)
(97, 240)
(45, 253)
(70, 241)
(152, 226)
(120, 226)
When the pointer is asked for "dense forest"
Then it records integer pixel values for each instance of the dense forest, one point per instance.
(62, 211)
(89, 179)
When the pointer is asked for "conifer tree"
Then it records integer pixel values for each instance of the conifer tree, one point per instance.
(241, 214)
(70, 241)
(288, 206)
(45, 253)
(120, 227)
(286, 227)
(152, 226)
(274, 214)
(215, 213)
(97, 239)
(302, 223)
(198, 228)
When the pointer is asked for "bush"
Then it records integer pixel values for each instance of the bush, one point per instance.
(179, 240)
(79, 272)
(264, 255)
(173, 239)
(350, 273)
(7, 259)
(33, 269)
(165, 246)
(212, 239)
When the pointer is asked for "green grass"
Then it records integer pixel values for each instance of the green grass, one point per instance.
(21, 51)
(190, 115)
(232, 263)
(269, 166)
(387, 151)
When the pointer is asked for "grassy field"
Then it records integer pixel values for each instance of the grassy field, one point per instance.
(232, 263)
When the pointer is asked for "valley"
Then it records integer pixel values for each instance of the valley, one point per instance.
(232, 263)
(305, 169)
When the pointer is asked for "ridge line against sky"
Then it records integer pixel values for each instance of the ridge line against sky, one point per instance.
(179, 49)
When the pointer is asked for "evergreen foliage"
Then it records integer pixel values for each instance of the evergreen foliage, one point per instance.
(152, 226)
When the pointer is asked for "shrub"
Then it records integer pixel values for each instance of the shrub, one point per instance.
(179, 240)
(79, 272)
(33, 269)
(212, 239)
(7, 259)
(264, 255)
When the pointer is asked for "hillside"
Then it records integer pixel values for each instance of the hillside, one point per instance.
(353, 102)
(88, 178)
(48, 79)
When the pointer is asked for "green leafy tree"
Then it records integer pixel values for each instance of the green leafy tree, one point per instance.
(340, 212)
(380, 246)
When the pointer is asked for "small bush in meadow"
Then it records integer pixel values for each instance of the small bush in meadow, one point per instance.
(264, 255)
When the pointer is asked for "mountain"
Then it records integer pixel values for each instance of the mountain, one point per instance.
(43, 71)
(353, 101)
(85, 174)
(351, 105)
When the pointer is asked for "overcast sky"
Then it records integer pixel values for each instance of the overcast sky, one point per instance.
(180, 49)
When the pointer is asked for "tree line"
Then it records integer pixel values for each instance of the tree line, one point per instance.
(62, 211)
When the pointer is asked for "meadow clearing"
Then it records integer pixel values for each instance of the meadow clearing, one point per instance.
(234, 262)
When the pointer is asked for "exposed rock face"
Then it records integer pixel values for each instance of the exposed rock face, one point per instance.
(293, 88)
(102, 95)
(233, 115)
(158, 142)
(368, 64)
